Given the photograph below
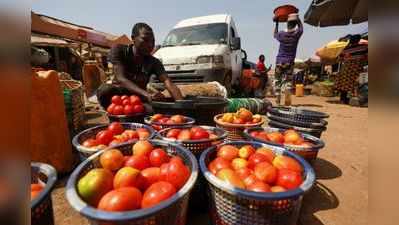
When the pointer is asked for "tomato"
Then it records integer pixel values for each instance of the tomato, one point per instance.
(258, 186)
(35, 190)
(135, 100)
(244, 173)
(138, 109)
(142, 148)
(246, 151)
(239, 163)
(163, 120)
(128, 110)
(116, 99)
(90, 143)
(122, 137)
(126, 102)
(112, 159)
(288, 179)
(286, 162)
(173, 133)
(178, 119)
(143, 133)
(156, 117)
(176, 158)
(184, 135)
(254, 133)
(115, 142)
(132, 134)
(218, 164)
(277, 189)
(238, 121)
(175, 173)
(291, 137)
(111, 108)
(195, 129)
(199, 135)
(150, 175)
(126, 177)
(104, 137)
(249, 180)
(96, 183)
(158, 157)
(156, 193)
(229, 176)
(170, 122)
(263, 136)
(116, 128)
(255, 159)
(276, 137)
(124, 97)
(118, 110)
(228, 152)
(122, 199)
(267, 152)
(139, 162)
(244, 114)
(266, 172)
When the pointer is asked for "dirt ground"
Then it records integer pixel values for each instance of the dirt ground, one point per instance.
(340, 196)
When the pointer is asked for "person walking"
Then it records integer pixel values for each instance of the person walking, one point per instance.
(261, 74)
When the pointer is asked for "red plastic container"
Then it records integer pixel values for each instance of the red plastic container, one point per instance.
(281, 13)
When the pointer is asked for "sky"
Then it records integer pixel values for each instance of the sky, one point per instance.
(253, 19)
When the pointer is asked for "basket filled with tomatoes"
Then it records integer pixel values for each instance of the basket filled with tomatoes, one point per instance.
(236, 123)
(126, 109)
(161, 121)
(143, 182)
(255, 183)
(43, 178)
(100, 137)
(304, 145)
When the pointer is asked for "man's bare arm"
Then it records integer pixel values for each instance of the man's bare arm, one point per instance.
(124, 82)
(173, 90)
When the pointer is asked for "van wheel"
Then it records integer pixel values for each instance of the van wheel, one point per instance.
(227, 82)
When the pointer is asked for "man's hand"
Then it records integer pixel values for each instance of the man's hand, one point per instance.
(157, 97)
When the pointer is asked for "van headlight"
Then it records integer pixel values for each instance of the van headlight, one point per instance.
(216, 59)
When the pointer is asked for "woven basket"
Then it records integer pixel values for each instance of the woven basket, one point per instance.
(235, 132)
(159, 126)
(74, 104)
(298, 114)
(230, 205)
(41, 207)
(311, 131)
(170, 212)
(308, 153)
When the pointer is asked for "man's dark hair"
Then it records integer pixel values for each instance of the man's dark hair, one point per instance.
(261, 56)
(138, 26)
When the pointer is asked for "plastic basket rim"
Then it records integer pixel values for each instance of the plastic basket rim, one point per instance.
(305, 186)
(90, 212)
(148, 121)
(83, 149)
(232, 125)
(51, 174)
(318, 146)
(280, 119)
(125, 116)
(221, 137)
(301, 129)
(298, 112)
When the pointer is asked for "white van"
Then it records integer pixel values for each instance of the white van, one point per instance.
(202, 49)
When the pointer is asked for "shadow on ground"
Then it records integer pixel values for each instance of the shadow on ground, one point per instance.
(319, 198)
(326, 170)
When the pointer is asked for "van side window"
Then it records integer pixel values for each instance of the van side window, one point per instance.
(233, 34)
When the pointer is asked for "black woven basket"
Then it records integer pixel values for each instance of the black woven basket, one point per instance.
(308, 153)
(298, 114)
(314, 132)
(203, 109)
(84, 152)
(288, 121)
(170, 212)
(155, 125)
(136, 118)
(41, 207)
(230, 205)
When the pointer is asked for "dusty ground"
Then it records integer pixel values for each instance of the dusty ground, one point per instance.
(340, 196)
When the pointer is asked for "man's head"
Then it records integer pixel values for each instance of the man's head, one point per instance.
(143, 38)
(262, 58)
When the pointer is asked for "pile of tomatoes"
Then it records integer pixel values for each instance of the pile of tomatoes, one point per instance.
(194, 133)
(115, 134)
(35, 190)
(242, 116)
(168, 120)
(289, 137)
(141, 180)
(258, 170)
(125, 105)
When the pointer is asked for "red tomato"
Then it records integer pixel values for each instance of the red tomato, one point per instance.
(104, 137)
(249, 180)
(288, 179)
(276, 137)
(150, 175)
(184, 135)
(35, 190)
(128, 110)
(170, 122)
(255, 159)
(122, 199)
(229, 176)
(90, 143)
(178, 119)
(156, 193)
(176, 159)
(158, 157)
(258, 186)
(218, 164)
(254, 133)
(135, 100)
(200, 134)
(112, 159)
(127, 177)
(126, 102)
(286, 162)
(156, 117)
(228, 152)
(263, 136)
(163, 120)
(139, 162)
(277, 189)
(266, 172)
(195, 129)
(132, 134)
(244, 173)
(238, 121)
(175, 173)
(115, 142)
(267, 152)
(143, 133)
(123, 97)
(142, 148)
(138, 109)
(116, 99)
(173, 133)
(118, 110)
(116, 128)
(111, 108)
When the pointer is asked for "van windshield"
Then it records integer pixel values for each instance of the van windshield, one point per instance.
(197, 35)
